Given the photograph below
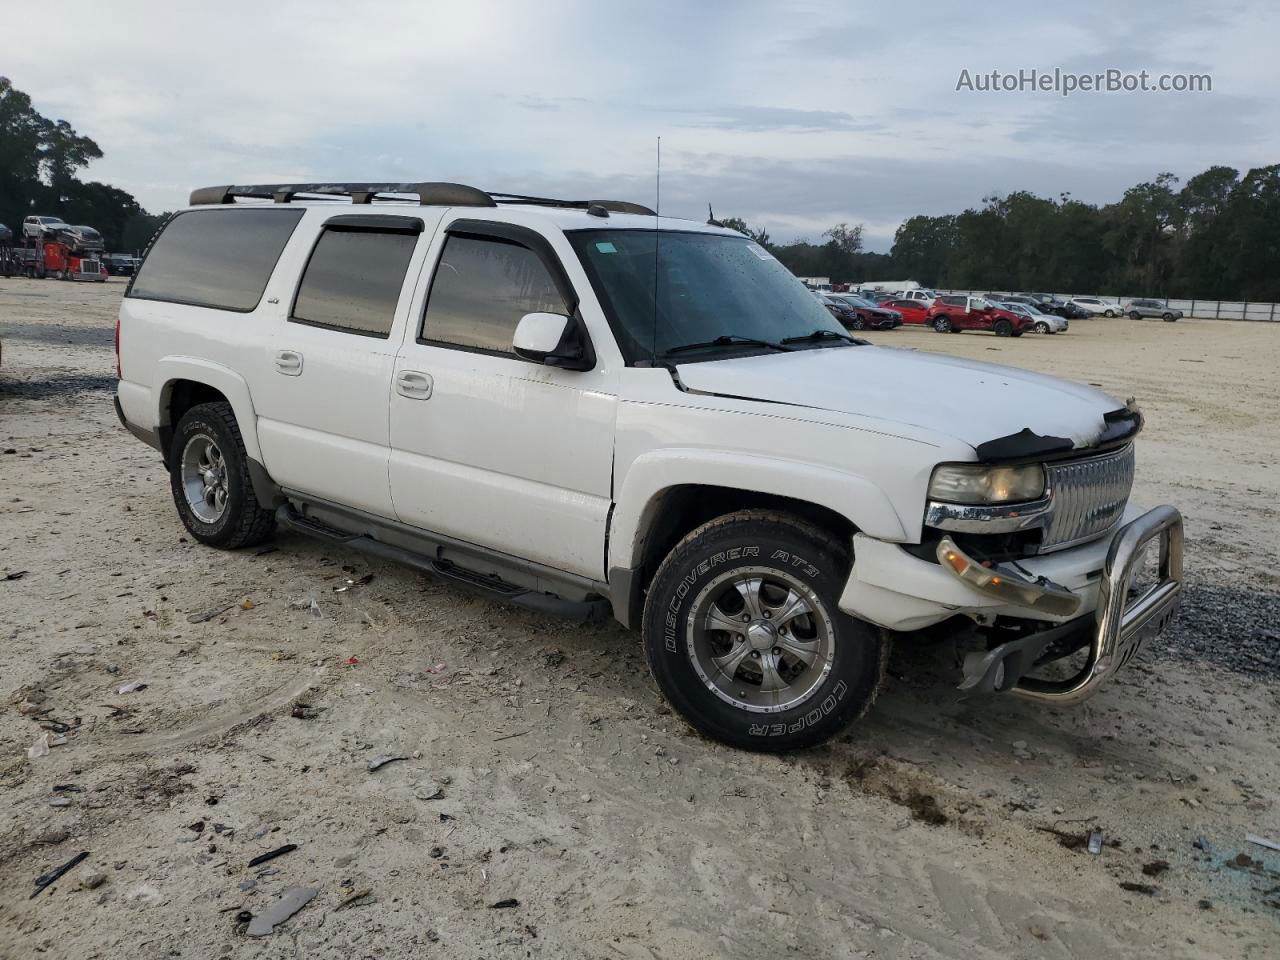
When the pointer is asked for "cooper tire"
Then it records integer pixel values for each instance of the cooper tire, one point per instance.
(793, 565)
(240, 520)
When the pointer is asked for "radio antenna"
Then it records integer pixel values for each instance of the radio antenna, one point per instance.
(657, 213)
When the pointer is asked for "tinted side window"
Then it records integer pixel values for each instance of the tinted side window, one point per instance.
(219, 258)
(482, 287)
(352, 281)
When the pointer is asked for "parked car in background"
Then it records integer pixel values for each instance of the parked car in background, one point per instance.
(954, 314)
(1074, 311)
(1096, 306)
(1137, 309)
(912, 311)
(869, 315)
(119, 264)
(43, 228)
(919, 295)
(1048, 303)
(1041, 322)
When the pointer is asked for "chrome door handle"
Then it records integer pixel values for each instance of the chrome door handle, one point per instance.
(414, 385)
(289, 362)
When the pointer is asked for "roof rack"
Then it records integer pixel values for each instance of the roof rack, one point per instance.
(428, 194)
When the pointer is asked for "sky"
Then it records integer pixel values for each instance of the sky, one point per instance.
(794, 116)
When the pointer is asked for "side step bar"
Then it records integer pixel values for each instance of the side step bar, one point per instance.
(587, 611)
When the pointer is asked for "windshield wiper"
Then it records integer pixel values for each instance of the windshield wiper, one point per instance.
(823, 335)
(727, 340)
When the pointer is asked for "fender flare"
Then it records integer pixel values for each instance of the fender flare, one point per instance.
(652, 474)
(223, 379)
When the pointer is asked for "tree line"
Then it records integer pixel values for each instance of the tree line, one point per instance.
(39, 162)
(1216, 237)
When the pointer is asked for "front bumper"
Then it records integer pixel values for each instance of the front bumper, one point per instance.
(909, 593)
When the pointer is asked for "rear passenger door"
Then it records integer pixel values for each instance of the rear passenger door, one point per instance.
(322, 393)
(488, 447)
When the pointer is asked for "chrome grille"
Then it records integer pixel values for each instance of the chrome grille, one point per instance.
(1088, 496)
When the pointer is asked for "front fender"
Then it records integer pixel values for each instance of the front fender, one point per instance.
(652, 474)
(223, 379)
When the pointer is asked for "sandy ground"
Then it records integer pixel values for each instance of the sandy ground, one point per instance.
(543, 769)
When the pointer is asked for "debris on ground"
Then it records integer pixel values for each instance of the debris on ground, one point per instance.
(506, 904)
(132, 687)
(1095, 842)
(304, 711)
(383, 759)
(351, 661)
(1155, 868)
(47, 879)
(1133, 887)
(43, 744)
(272, 854)
(209, 614)
(247, 604)
(285, 906)
(362, 581)
(94, 880)
(363, 898)
(1261, 841)
(16, 575)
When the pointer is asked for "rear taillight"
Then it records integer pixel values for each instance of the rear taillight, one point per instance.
(119, 374)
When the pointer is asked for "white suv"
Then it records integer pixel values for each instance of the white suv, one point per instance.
(580, 407)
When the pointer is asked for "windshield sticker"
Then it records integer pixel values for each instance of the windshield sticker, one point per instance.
(604, 246)
(760, 251)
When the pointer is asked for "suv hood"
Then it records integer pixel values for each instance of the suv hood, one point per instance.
(971, 401)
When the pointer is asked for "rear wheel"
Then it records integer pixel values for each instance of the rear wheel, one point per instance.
(1109, 314)
(1134, 315)
(856, 323)
(209, 478)
(1003, 328)
(1168, 317)
(744, 636)
(942, 325)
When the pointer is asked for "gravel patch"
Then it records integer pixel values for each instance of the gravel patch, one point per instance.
(1235, 628)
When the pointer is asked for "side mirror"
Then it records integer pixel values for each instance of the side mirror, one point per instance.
(554, 340)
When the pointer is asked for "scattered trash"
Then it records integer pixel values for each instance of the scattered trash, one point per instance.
(16, 575)
(1243, 860)
(351, 661)
(438, 668)
(1155, 868)
(505, 904)
(247, 604)
(247, 885)
(47, 879)
(435, 853)
(366, 579)
(60, 802)
(1132, 887)
(209, 614)
(288, 903)
(304, 711)
(43, 744)
(132, 687)
(384, 759)
(1095, 842)
(360, 899)
(1261, 841)
(272, 854)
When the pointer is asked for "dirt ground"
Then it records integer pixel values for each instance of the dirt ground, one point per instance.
(548, 804)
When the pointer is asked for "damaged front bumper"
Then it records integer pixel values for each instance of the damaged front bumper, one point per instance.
(902, 592)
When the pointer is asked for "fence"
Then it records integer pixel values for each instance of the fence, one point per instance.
(1200, 309)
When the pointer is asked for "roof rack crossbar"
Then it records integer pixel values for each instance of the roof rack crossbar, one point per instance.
(428, 194)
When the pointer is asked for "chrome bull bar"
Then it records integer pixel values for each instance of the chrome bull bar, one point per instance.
(1119, 629)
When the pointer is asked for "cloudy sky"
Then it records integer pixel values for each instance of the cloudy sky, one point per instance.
(792, 115)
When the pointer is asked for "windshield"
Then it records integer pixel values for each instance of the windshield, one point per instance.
(707, 286)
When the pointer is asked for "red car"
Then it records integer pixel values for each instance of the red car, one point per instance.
(913, 311)
(953, 314)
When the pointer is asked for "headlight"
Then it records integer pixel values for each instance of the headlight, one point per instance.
(977, 483)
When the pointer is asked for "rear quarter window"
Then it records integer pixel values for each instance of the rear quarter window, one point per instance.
(217, 258)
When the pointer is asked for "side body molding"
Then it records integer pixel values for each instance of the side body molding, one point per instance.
(653, 473)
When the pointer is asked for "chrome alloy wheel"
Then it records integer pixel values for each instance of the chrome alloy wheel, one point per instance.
(760, 639)
(204, 478)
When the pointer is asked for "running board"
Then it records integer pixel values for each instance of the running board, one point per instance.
(586, 611)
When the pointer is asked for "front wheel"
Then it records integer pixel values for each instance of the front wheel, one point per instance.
(1168, 317)
(744, 636)
(942, 324)
(1109, 314)
(856, 323)
(1003, 328)
(1042, 327)
(1134, 315)
(209, 478)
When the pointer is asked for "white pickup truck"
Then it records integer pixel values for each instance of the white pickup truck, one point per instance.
(581, 407)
